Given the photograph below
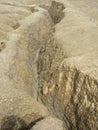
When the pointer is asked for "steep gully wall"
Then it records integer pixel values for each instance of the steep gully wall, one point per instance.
(66, 91)
(70, 94)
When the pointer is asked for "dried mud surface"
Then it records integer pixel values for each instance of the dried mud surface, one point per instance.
(48, 65)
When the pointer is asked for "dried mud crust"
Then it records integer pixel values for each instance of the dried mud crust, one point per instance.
(68, 93)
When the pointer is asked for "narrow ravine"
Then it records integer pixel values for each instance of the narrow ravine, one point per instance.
(37, 74)
(68, 93)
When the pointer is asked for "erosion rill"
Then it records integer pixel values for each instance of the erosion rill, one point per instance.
(39, 68)
(67, 91)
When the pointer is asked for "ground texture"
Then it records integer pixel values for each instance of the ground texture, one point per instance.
(48, 65)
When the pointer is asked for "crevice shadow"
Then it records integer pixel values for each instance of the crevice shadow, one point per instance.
(56, 11)
(13, 122)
